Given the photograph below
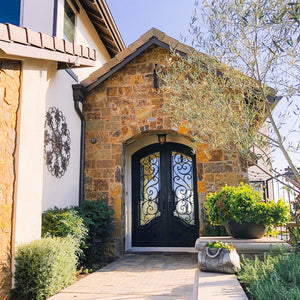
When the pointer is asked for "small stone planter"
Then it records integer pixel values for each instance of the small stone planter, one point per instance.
(218, 260)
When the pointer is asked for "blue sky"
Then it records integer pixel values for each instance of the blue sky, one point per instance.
(10, 11)
(135, 17)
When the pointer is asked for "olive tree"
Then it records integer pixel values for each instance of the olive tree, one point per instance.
(246, 59)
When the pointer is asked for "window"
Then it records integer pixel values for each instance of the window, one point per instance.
(10, 12)
(69, 23)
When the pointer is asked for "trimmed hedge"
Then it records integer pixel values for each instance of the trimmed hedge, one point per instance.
(90, 225)
(62, 222)
(44, 267)
(97, 216)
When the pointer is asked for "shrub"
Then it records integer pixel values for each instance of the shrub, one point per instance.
(212, 230)
(276, 278)
(97, 216)
(44, 267)
(63, 222)
(243, 204)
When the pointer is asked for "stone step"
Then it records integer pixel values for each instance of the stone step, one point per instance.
(248, 247)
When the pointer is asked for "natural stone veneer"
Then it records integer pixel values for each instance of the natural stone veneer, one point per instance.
(126, 105)
(9, 102)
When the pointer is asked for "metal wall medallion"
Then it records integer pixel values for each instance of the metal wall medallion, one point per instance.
(57, 142)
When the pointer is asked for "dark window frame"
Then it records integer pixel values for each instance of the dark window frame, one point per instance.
(70, 13)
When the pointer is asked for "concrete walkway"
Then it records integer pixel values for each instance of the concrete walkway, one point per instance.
(154, 277)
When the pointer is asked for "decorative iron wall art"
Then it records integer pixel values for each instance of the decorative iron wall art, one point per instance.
(57, 142)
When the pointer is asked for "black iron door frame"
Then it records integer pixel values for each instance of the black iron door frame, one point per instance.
(168, 223)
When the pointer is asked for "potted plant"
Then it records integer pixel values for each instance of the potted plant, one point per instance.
(243, 211)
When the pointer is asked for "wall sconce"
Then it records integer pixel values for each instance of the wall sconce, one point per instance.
(162, 138)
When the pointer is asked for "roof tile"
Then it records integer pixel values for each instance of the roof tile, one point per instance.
(111, 63)
(68, 47)
(95, 75)
(4, 32)
(184, 48)
(94, 54)
(147, 36)
(157, 33)
(91, 54)
(85, 51)
(121, 55)
(77, 50)
(170, 41)
(98, 76)
(33, 37)
(59, 44)
(47, 41)
(135, 45)
(17, 34)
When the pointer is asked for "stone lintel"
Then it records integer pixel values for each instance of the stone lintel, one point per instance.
(247, 246)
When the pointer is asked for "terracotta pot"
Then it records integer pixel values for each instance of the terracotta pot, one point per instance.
(246, 230)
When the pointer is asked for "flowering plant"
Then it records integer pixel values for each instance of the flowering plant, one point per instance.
(219, 244)
(243, 204)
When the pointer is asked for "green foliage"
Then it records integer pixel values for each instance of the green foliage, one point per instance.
(276, 277)
(210, 229)
(98, 219)
(44, 267)
(215, 230)
(63, 222)
(243, 204)
(219, 244)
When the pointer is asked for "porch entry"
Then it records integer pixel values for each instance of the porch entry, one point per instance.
(164, 196)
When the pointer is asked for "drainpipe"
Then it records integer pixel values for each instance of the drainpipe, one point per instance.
(79, 95)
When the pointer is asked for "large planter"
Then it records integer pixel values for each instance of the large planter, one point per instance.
(246, 230)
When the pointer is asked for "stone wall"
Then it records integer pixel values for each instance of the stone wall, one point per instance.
(126, 105)
(9, 102)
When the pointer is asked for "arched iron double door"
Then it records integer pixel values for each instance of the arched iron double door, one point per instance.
(164, 197)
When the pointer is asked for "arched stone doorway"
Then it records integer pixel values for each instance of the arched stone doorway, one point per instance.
(124, 112)
(161, 200)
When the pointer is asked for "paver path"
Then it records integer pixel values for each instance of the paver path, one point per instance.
(154, 277)
(137, 276)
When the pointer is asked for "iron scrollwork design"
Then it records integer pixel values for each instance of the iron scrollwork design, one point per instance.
(149, 188)
(182, 181)
(57, 142)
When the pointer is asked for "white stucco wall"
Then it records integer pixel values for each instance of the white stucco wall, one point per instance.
(29, 153)
(51, 89)
(37, 15)
(64, 191)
